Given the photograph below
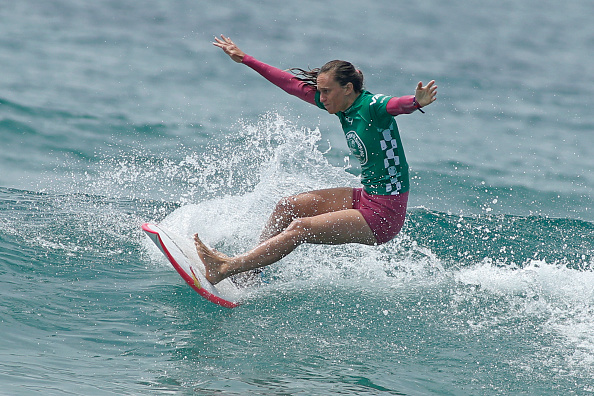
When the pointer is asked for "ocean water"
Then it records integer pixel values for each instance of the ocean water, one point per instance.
(116, 113)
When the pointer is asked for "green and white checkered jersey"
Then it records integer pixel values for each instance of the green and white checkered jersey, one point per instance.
(373, 137)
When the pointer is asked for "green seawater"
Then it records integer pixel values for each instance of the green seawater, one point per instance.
(456, 304)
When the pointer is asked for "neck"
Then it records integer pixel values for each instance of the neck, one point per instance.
(349, 100)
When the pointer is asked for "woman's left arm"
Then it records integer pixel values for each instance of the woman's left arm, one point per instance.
(424, 96)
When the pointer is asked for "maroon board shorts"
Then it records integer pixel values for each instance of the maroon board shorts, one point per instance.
(384, 214)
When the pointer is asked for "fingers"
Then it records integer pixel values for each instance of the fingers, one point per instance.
(430, 86)
(225, 44)
(426, 94)
(229, 47)
(223, 41)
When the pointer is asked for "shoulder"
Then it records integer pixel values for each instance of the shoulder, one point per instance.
(376, 104)
(377, 100)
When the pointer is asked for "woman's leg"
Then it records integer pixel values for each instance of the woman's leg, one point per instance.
(339, 225)
(307, 204)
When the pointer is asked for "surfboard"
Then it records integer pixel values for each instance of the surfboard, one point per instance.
(183, 256)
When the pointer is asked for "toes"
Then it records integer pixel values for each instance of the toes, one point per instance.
(199, 242)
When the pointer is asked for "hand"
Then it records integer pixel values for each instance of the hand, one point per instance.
(230, 48)
(425, 95)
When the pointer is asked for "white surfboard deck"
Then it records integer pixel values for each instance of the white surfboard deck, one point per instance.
(183, 256)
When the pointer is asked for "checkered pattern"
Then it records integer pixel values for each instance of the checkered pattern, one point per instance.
(391, 160)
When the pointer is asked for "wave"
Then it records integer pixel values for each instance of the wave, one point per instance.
(504, 279)
(507, 240)
(230, 185)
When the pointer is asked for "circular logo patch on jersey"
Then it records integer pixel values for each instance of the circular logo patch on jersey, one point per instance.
(357, 147)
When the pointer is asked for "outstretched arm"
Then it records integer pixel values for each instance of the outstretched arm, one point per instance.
(424, 95)
(282, 79)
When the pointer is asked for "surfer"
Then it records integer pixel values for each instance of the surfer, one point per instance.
(371, 215)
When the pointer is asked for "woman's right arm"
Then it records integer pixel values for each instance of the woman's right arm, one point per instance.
(282, 79)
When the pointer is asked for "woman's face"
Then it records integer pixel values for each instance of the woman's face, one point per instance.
(332, 95)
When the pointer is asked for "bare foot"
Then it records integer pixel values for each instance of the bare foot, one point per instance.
(214, 261)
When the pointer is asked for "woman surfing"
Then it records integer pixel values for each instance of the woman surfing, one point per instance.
(372, 214)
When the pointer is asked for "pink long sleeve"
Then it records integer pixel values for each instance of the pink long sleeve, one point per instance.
(282, 79)
(401, 105)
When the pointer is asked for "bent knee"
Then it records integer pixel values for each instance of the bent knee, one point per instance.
(286, 204)
(299, 205)
(300, 227)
